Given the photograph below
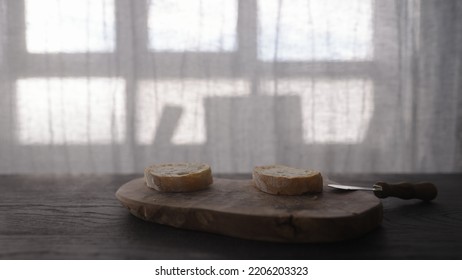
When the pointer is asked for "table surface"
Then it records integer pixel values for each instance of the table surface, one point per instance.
(78, 217)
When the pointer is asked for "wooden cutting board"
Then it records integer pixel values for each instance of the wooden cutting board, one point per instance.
(236, 208)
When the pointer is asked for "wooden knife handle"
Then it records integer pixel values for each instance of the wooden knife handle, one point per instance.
(405, 190)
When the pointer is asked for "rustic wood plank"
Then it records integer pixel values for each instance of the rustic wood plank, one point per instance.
(78, 217)
(237, 208)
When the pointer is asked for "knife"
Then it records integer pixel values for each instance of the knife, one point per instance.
(425, 191)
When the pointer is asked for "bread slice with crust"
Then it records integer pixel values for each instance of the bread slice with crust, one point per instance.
(178, 177)
(284, 180)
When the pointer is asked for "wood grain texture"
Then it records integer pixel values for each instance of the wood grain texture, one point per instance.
(78, 217)
(237, 208)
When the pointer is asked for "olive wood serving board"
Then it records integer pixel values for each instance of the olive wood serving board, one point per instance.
(236, 208)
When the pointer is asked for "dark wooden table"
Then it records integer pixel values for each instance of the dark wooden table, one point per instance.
(78, 217)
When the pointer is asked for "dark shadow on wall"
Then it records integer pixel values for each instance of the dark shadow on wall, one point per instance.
(236, 142)
(242, 132)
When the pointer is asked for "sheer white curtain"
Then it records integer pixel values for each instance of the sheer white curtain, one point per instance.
(341, 86)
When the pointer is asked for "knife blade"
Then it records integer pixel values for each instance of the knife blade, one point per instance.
(405, 190)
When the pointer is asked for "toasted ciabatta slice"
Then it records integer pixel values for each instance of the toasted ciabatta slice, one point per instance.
(178, 177)
(284, 180)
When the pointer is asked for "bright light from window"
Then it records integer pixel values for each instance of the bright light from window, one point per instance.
(153, 97)
(70, 111)
(193, 25)
(69, 26)
(333, 111)
(315, 30)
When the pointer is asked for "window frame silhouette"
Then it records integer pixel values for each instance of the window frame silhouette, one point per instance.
(131, 54)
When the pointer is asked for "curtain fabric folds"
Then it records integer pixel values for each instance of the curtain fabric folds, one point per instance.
(112, 86)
